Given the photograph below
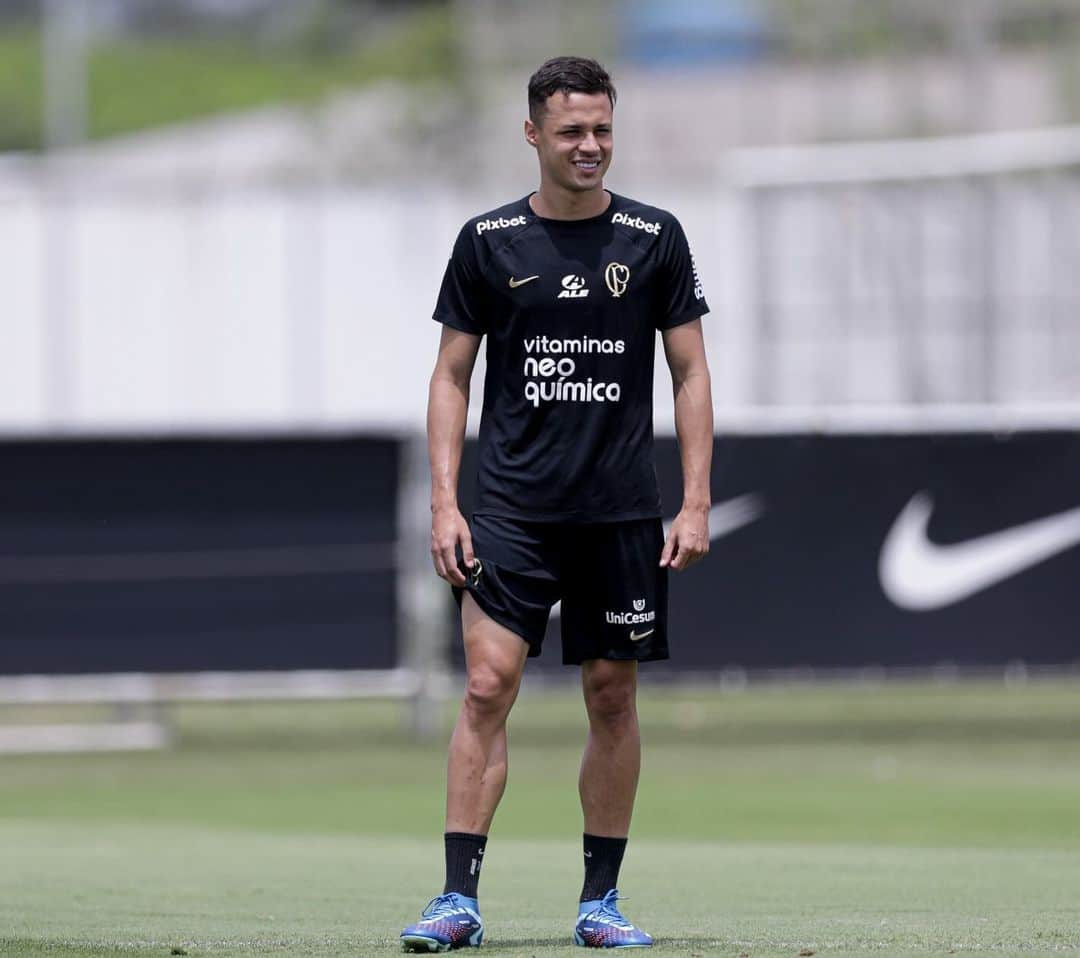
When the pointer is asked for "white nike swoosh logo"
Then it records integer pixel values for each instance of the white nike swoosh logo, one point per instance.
(515, 283)
(920, 575)
(724, 519)
(634, 637)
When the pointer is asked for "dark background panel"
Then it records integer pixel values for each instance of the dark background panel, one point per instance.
(71, 511)
(800, 585)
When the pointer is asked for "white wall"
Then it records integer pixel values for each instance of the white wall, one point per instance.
(151, 310)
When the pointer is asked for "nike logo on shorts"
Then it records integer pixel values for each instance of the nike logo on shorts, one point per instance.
(634, 637)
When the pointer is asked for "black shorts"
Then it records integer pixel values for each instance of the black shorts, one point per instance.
(607, 576)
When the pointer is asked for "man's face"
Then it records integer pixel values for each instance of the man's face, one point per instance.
(573, 140)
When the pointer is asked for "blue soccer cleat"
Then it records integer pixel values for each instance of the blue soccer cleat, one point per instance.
(448, 921)
(600, 924)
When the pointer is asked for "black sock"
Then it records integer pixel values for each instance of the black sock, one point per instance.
(464, 856)
(603, 858)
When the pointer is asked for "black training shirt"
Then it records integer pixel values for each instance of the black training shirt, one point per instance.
(570, 309)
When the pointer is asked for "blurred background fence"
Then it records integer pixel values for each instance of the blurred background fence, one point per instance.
(896, 273)
(223, 224)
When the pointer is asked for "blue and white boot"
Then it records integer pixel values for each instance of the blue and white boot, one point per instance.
(448, 921)
(600, 924)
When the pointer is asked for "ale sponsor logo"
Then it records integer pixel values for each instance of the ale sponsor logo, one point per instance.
(573, 287)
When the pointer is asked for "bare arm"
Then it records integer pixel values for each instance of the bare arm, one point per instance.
(688, 539)
(448, 406)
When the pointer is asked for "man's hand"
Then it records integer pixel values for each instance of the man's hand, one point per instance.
(448, 530)
(687, 540)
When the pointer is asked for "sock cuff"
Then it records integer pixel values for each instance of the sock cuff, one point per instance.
(465, 836)
(604, 839)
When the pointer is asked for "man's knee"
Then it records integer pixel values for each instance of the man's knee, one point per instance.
(610, 693)
(490, 691)
(494, 658)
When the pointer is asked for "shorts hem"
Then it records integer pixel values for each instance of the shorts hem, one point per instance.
(659, 656)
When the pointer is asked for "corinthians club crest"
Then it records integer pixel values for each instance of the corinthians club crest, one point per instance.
(617, 276)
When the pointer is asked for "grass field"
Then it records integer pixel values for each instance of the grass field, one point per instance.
(137, 84)
(897, 819)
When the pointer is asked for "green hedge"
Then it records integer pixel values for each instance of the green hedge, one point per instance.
(135, 85)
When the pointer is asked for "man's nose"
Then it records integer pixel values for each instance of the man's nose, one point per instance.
(589, 143)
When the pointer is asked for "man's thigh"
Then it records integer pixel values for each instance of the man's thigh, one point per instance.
(489, 646)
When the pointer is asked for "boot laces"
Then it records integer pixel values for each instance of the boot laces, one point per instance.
(441, 906)
(609, 910)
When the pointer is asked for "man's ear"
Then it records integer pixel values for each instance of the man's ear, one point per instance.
(530, 132)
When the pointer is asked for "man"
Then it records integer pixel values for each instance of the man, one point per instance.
(569, 285)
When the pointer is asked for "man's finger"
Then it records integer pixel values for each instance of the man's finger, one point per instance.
(678, 552)
(436, 560)
(448, 562)
(666, 552)
(467, 549)
(456, 575)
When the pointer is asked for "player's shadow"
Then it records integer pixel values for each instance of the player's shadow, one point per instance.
(565, 941)
(510, 944)
(520, 946)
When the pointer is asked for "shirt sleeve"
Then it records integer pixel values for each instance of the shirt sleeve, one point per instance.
(461, 296)
(681, 297)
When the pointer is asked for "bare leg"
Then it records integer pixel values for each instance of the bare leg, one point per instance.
(612, 760)
(476, 769)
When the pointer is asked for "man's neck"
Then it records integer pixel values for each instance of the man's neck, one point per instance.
(555, 204)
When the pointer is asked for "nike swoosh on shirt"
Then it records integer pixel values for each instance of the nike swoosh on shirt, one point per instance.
(724, 519)
(515, 283)
(921, 575)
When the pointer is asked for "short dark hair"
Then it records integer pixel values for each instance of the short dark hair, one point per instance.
(566, 75)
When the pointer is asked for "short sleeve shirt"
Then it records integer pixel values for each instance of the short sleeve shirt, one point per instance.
(570, 309)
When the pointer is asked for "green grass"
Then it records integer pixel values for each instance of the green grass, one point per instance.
(908, 819)
(134, 85)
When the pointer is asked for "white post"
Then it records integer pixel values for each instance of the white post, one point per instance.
(423, 597)
(65, 40)
(65, 32)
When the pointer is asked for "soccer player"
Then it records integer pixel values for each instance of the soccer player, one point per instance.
(569, 285)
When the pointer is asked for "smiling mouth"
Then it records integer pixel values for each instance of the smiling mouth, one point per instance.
(587, 165)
